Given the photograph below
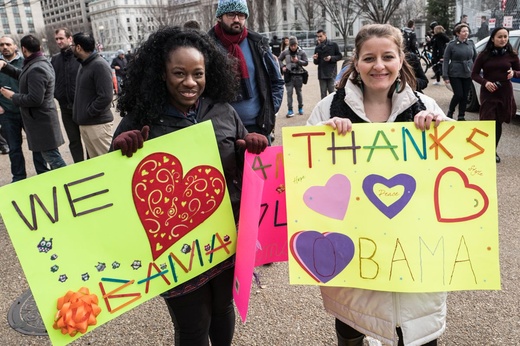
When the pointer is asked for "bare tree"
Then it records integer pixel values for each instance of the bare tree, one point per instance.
(272, 15)
(341, 14)
(253, 14)
(164, 13)
(310, 10)
(409, 9)
(207, 15)
(379, 11)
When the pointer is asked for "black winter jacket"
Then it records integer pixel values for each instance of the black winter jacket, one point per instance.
(327, 69)
(66, 68)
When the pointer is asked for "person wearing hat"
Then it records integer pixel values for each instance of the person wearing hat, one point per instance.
(119, 64)
(292, 61)
(261, 84)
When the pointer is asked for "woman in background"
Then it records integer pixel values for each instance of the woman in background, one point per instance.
(456, 69)
(498, 63)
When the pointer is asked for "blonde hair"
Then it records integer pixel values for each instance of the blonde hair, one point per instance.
(438, 29)
(380, 31)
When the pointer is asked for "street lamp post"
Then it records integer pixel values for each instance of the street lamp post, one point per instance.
(44, 45)
(101, 28)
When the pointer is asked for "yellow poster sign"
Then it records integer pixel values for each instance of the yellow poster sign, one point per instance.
(388, 207)
(100, 237)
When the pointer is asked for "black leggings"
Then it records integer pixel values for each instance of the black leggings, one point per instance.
(348, 332)
(461, 87)
(205, 312)
(498, 131)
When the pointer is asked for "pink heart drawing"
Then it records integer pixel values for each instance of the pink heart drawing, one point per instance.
(330, 200)
(322, 256)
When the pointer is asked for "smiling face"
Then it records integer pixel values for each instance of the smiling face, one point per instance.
(501, 38)
(378, 63)
(185, 77)
(463, 34)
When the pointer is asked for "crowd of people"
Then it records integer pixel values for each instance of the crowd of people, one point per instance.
(235, 77)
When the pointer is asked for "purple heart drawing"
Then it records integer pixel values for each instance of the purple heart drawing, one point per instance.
(322, 256)
(400, 179)
(330, 200)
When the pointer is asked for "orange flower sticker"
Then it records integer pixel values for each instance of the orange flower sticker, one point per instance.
(76, 312)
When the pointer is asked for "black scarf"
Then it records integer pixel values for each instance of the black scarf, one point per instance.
(338, 108)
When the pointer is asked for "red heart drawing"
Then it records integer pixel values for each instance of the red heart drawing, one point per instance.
(467, 185)
(171, 205)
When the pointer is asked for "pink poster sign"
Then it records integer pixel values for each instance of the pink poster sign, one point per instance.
(272, 224)
(262, 228)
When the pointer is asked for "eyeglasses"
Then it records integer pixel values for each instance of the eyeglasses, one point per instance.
(232, 15)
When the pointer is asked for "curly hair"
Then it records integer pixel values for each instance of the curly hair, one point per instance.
(144, 94)
(381, 31)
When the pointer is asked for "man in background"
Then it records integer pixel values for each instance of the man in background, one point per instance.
(36, 101)
(261, 83)
(93, 98)
(483, 31)
(326, 55)
(66, 69)
(410, 38)
(119, 64)
(11, 119)
(276, 46)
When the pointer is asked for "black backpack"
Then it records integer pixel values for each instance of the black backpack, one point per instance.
(409, 42)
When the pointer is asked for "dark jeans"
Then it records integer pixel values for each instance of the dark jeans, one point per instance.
(53, 158)
(347, 332)
(295, 83)
(326, 85)
(12, 126)
(72, 130)
(3, 142)
(207, 312)
(461, 87)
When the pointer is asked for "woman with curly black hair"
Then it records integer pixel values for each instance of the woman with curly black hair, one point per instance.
(177, 79)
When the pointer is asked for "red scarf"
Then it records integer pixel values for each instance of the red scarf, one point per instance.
(231, 43)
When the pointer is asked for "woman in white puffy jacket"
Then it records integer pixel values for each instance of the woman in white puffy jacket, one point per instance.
(378, 87)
